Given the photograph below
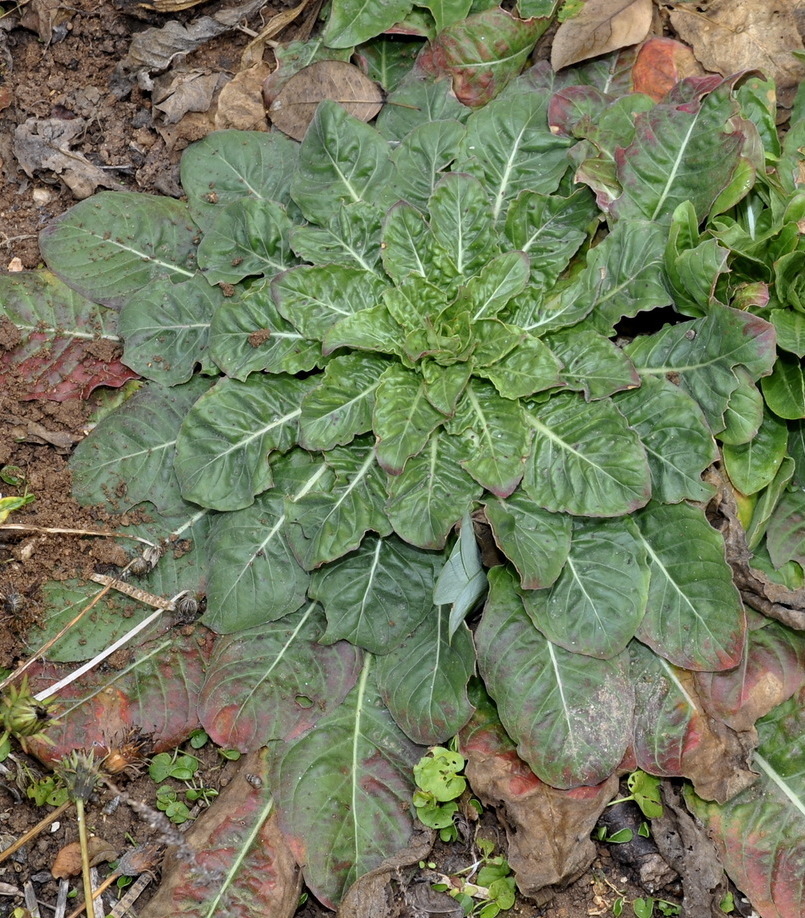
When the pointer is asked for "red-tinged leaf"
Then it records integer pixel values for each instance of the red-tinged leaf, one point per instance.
(570, 106)
(661, 63)
(772, 670)
(673, 735)
(157, 696)
(760, 834)
(600, 26)
(236, 862)
(482, 53)
(548, 830)
(67, 345)
(275, 681)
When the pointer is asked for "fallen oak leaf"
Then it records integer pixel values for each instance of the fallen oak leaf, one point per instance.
(600, 27)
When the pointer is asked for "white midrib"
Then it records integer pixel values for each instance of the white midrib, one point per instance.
(561, 689)
(141, 255)
(672, 175)
(241, 444)
(775, 777)
(67, 333)
(356, 735)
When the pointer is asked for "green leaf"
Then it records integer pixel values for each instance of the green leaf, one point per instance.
(694, 618)
(570, 715)
(410, 248)
(116, 243)
(421, 160)
(790, 328)
(623, 275)
(460, 217)
(680, 153)
(744, 413)
(462, 580)
(228, 166)
(494, 436)
(431, 494)
(527, 368)
(375, 596)
(423, 681)
(351, 238)
(766, 504)
(387, 61)
(253, 575)
(675, 435)
(549, 229)
(333, 518)
(419, 102)
(248, 236)
(248, 335)
(535, 541)
(447, 12)
(166, 328)
(509, 147)
(444, 385)
(352, 22)
(591, 363)
(341, 405)
(315, 298)
(128, 457)
(692, 266)
(256, 680)
(326, 785)
(784, 390)
(585, 459)
(495, 284)
(371, 329)
(342, 160)
(785, 535)
(226, 436)
(702, 356)
(403, 418)
(751, 466)
(599, 599)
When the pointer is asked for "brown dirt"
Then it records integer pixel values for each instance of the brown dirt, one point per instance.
(59, 62)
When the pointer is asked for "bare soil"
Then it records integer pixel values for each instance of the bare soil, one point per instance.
(58, 62)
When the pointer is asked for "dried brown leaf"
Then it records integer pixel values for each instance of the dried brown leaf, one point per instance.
(733, 35)
(600, 27)
(293, 108)
(240, 102)
(181, 91)
(68, 860)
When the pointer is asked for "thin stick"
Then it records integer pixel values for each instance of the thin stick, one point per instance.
(149, 599)
(19, 527)
(98, 892)
(82, 840)
(99, 658)
(32, 833)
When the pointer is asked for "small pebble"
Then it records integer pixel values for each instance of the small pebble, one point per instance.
(42, 196)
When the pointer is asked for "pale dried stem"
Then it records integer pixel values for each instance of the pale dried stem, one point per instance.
(32, 833)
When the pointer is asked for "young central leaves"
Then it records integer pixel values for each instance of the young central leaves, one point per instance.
(352, 344)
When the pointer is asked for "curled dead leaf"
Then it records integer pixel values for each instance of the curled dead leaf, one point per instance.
(68, 860)
(294, 106)
(661, 63)
(600, 27)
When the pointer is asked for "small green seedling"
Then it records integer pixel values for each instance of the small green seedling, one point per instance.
(487, 893)
(440, 784)
(645, 791)
(616, 838)
(184, 768)
(180, 767)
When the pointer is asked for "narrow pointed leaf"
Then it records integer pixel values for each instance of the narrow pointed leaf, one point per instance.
(569, 714)
(599, 599)
(462, 581)
(585, 459)
(676, 438)
(344, 791)
(377, 595)
(223, 444)
(535, 541)
(694, 617)
(275, 682)
(423, 682)
(341, 160)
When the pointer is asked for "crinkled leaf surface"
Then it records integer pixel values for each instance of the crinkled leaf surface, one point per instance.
(694, 617)
(421, 159)
(599, 599)
(569, 714)
(351, 238)
(59, 333)
(701, 356)
(166, 328)
(344, 791)
(585, 459)
(375, 596)
(676, 438)
(275, 682)
(227, 166)
(128, 458)
(482, 53)
(460, 215)
(423, 681)
(225, 438)
(760, 834)
(591, 363)
(115, 243)
(535, 541)
(341, 160)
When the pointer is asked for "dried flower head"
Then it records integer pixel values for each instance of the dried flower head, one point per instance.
(80, 772)
(127, 754)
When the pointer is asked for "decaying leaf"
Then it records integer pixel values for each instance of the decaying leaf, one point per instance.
(733, 35)
(600, 27)
(182, 91)
(68, 860)
(240, 103)
(294, 106)
(44, 144)
(661, 63)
